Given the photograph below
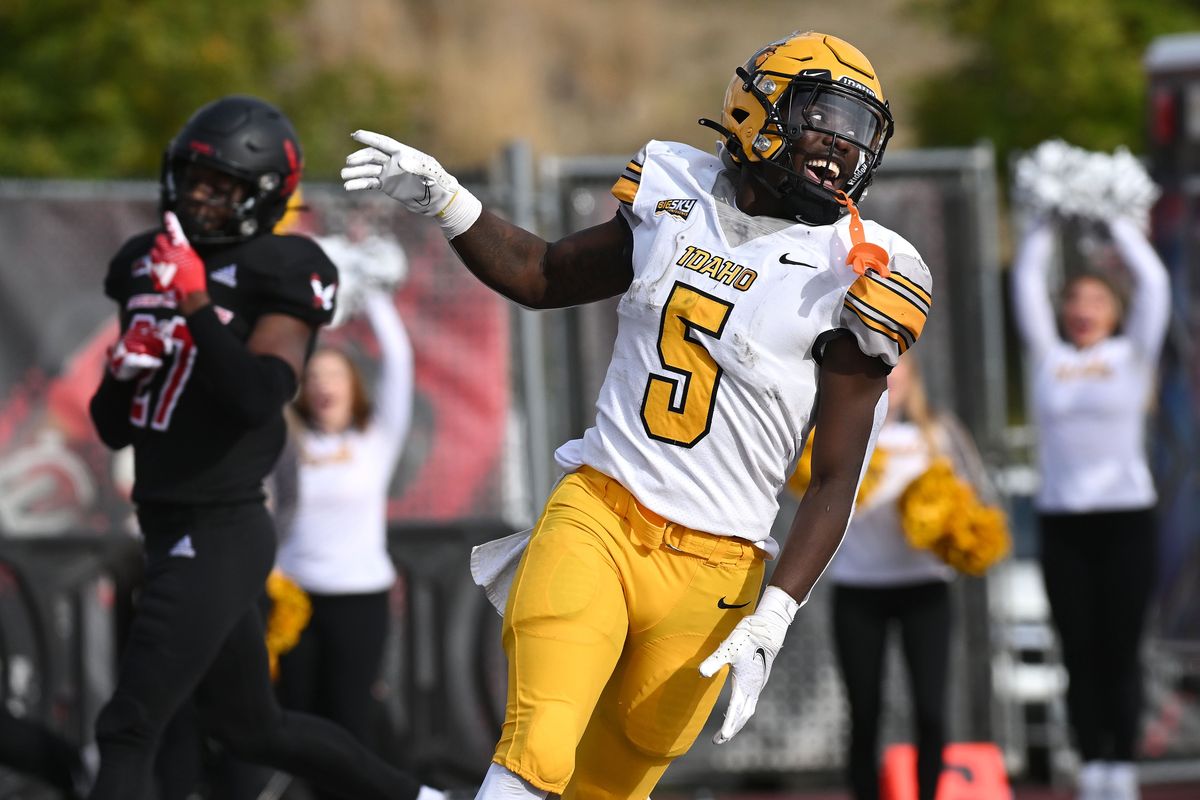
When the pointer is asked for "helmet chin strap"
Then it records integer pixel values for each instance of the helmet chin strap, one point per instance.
(804, 200)
(800, 197)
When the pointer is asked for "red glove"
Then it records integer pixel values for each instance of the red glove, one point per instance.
(139, 351)
(174, 265)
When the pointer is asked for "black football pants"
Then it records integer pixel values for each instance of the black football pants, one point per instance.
(197, 629)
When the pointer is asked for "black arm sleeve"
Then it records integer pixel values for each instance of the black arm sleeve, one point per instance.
(110, 411)
(250, 387)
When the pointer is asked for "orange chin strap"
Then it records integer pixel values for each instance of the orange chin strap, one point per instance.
(863, 255)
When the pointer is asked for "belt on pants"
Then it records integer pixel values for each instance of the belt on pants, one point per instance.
(652, 531)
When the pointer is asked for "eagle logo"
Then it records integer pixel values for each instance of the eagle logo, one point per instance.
(322, 294)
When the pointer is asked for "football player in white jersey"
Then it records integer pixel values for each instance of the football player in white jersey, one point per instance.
(755, 304)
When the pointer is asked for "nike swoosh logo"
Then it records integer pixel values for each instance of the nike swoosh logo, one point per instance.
(783, 259)
(722, 604)
(763, 655)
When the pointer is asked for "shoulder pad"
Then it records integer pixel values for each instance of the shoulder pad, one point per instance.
(291, 275)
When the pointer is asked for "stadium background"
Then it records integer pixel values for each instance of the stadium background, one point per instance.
(539, 131)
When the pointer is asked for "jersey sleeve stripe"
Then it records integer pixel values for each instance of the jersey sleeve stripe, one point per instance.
(866, 311)
(912, 286)
(902, 290)
(879, 328)
(626, 187)
(625, 190)
(891, 303)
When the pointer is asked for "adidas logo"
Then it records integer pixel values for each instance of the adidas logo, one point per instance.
(183, 548)
(226, 275)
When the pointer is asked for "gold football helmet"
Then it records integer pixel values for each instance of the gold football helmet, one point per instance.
(807, 87)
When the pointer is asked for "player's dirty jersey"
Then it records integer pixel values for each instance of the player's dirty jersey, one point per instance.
(713, 380)
(186, 448)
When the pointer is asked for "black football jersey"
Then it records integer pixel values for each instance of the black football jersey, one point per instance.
(186, 449)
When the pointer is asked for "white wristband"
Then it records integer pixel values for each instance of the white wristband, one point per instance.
(777, 603)
(460, 213)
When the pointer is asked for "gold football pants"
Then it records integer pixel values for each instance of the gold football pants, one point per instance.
(610, 614)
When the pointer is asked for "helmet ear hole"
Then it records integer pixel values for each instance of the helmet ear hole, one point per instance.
(739, 115)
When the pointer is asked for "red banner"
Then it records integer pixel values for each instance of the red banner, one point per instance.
(55, 475)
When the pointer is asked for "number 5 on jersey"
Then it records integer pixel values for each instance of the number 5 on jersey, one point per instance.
(678, 408)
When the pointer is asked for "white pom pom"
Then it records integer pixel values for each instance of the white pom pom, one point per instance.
(373, 263)
(1056, 177)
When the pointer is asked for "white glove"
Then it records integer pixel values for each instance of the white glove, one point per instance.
(750, 649)
(414, 178)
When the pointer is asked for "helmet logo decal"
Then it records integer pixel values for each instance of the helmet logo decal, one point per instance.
(293, 178)
(853, 84)
(204, 148)
(859, 171)
(676, 208)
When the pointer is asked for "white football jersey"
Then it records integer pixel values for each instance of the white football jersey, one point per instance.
(710, 392)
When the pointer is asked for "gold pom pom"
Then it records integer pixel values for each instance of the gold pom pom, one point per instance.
(871, 478)
(797, 484)
(939, 512)
(802, 476)
(291, 610)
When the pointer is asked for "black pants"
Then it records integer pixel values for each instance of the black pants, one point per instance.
(33, 749)
(333, 668)
(198, 630)
(860, 623)
(1099, 571)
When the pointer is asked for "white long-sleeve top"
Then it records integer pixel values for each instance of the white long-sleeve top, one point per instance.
(875, 552)
(1089, 404)
(337, 543)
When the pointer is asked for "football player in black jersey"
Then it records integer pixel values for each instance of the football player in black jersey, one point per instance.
(218, 317)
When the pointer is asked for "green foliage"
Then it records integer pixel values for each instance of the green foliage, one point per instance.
(1042, 69)
(97, 89)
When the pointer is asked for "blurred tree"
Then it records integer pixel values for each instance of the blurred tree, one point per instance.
(1042, 69)
(96, 89)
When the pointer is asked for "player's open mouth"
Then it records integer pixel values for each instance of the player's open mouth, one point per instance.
(823, 171)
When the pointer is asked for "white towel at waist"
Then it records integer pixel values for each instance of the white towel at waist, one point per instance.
(494, 565)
